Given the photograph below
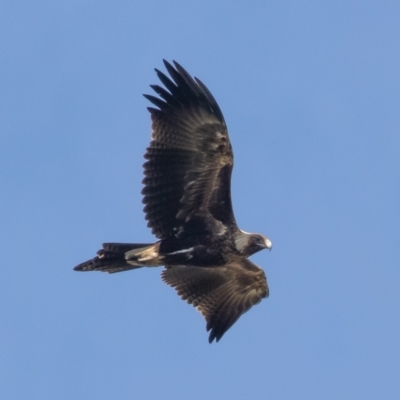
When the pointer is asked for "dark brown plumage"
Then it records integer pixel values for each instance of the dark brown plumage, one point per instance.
(188, 206)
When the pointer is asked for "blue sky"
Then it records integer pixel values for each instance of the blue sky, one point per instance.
(311, 95)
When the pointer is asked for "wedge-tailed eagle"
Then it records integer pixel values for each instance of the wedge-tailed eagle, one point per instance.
(187, 197)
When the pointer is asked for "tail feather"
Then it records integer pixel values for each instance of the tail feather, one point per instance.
(112, 258)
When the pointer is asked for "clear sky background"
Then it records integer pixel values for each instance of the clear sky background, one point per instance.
(310, 91)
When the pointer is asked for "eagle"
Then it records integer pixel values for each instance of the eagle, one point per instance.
(188, 206)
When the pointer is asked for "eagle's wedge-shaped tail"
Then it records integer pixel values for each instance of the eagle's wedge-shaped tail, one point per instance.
(118, 257)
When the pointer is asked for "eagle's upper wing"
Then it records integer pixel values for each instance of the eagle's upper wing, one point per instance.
(190, 157)
(222, 294)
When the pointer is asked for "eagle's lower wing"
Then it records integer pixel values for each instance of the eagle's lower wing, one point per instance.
(190, 157)
(222, 294)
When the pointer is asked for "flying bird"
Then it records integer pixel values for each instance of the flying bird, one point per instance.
(187, 198)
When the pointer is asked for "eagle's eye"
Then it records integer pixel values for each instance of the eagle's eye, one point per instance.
(259, 241)
(262, 242)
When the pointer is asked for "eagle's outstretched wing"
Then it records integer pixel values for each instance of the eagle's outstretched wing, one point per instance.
(222, 294)
(190, 159)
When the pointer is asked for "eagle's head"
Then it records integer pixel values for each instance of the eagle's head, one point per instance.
(249, 243)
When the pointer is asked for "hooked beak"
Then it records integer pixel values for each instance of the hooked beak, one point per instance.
(268, 244)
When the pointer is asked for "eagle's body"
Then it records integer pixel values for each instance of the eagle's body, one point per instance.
(187, 197)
